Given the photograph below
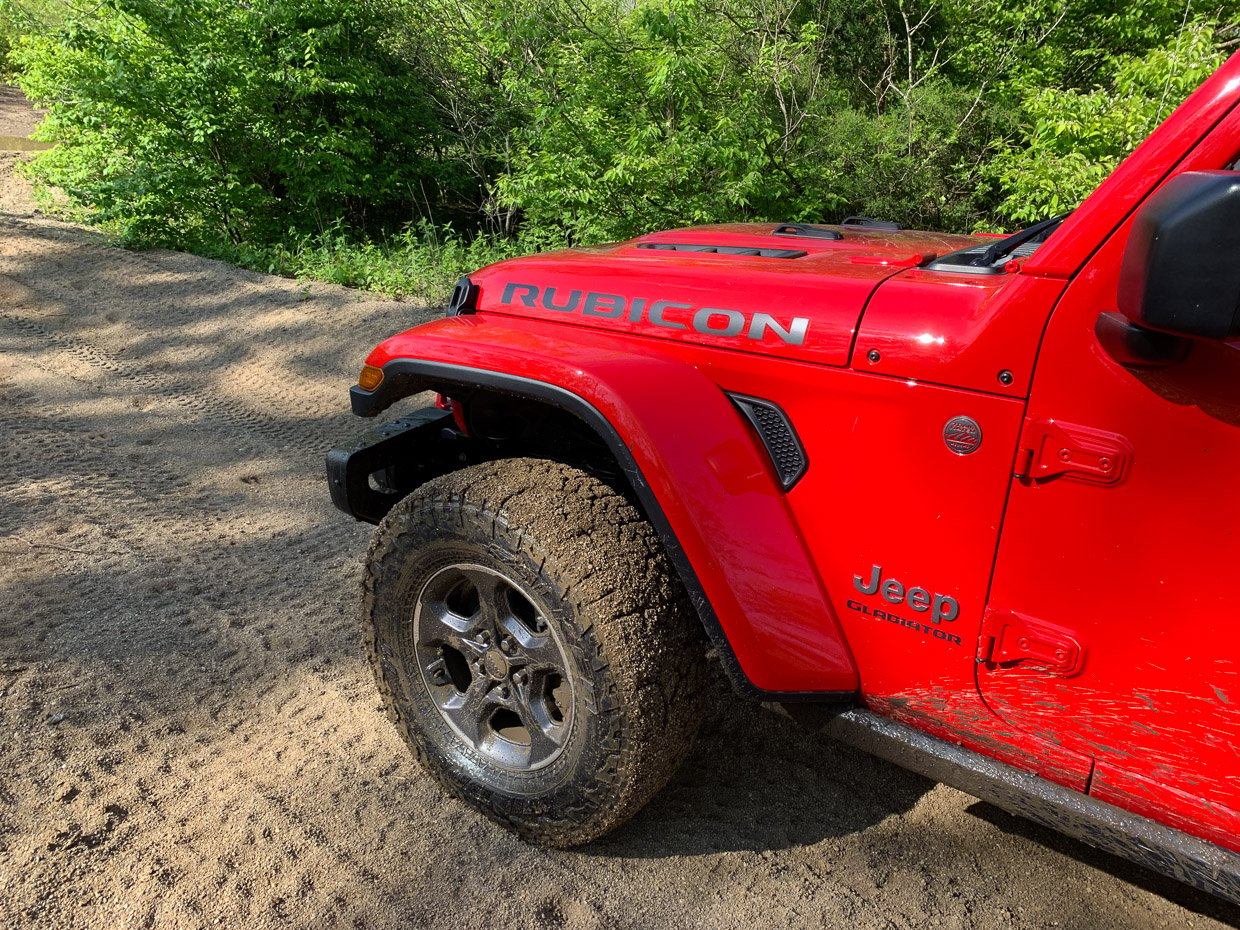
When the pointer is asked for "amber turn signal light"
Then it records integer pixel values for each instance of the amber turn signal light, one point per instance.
(370, 378)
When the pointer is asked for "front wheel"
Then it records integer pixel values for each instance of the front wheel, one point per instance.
(533, 646)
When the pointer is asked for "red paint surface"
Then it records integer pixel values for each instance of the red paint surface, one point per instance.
(713, 481)
(1139, 572)
(957, 329)
(1143, 572)
(825, 288)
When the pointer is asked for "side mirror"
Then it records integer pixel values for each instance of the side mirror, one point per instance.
(1181, 270)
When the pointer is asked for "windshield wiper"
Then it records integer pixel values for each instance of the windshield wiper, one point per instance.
(1038, 232)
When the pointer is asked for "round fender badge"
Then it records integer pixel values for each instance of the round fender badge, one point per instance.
(962, 435)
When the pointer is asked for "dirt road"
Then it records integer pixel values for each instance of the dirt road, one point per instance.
(189, 737)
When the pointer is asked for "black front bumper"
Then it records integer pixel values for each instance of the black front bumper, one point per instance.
(369, 477)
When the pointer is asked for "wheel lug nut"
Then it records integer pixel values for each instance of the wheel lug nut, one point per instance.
(518, 678)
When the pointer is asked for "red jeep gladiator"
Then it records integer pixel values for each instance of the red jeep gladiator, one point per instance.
(967, 503)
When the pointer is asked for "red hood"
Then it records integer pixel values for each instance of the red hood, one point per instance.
(792, 295)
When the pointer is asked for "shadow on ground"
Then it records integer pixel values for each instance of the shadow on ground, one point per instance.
(191, 736)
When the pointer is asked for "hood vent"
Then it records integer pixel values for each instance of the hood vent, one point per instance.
(806, 231)
(723, 249)
(868, 222)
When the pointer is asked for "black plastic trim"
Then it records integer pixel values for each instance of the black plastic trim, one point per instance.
(402, 377)
(750, 407)
(396, 384)
(1179, 272)
(962, 263)
(745, 250)
(349, 470)
(868, 222)
(992, 258)
(1191, 860)
(1022, 243)
(1137, 347)
(464, 298)
(806, 231)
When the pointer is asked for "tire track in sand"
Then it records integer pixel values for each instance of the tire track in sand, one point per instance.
(187, 734)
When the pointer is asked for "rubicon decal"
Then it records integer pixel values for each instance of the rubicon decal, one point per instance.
(708, 321)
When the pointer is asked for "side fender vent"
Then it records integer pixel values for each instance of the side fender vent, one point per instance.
(777, 434)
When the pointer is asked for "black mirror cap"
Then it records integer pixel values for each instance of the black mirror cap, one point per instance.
(1181, 269)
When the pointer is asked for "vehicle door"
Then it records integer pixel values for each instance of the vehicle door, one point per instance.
(1113, 624)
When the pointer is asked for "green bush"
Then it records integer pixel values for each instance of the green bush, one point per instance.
(22, 18)
(421, 260)
(391, 143)
(1074, 138)
(201, 120)
(698, 111)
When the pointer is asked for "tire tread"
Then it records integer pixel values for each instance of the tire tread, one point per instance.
(638, 629)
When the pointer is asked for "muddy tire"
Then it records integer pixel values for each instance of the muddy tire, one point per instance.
(534, 647)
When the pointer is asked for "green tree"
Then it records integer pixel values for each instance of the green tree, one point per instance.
(711, 110)
(1071, 139)
(349, 132)
(26, 17)
(208, 120)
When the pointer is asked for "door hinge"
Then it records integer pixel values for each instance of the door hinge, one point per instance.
(1009, 638)
(1050, 449)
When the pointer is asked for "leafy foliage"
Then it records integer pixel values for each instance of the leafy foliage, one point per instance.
(1075, 138)
(26, 17)
(697, 112)
(421, 260)
(343, 138)
(208, 119)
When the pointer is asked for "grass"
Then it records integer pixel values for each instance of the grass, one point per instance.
(422, 262)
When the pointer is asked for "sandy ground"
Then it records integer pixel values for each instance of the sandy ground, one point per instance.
(189, 737)
(17, 120)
